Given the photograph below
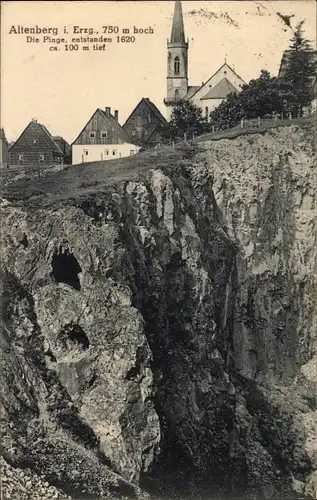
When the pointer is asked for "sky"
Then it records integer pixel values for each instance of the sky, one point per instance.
(62, 89)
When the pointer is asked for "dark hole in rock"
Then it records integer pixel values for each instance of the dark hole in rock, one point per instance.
(75, 333)
(66, 269)
(24, 241)
(51, 356)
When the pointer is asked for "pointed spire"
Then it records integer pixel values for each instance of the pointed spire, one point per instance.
(178, 32)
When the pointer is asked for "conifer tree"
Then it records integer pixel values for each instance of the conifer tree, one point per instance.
(300, 69)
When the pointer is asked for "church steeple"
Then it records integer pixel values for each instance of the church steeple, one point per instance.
(178, 32)
(177, 60)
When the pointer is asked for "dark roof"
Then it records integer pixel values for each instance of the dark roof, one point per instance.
(178, 32)
(152, 107)
(112, 122)
(221, 90)
(39, 127)
(192, 89)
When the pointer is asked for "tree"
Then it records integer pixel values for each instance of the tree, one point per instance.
(300, 69)
(259, 98)
(186, 120)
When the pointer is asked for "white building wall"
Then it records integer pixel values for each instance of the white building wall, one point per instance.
(100, 152)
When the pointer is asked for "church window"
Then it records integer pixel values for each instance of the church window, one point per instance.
(206, 112)
(176, 94)
(176, 65)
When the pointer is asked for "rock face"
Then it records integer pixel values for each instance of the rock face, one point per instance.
(162, 332)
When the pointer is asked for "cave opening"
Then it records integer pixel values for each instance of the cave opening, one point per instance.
(76, 334)
(66, 269)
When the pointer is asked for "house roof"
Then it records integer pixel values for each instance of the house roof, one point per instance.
(221, 90)
(39, 128)
(152, 107)
(112, 122)
(221, 67)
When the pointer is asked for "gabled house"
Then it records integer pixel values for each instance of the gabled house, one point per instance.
(64, 147)
(35, 147)
(102, 138)
(143, 124)
(3, 149)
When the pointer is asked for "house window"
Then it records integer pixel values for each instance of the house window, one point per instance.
(107, 152)
(176, 95)
(86, 152)
(104, 136)
(133, 132)
(114, 152)
(35, 141)
(149, 118)
(92, 135)
(20, 158)
(206, 112)
(176, 65)
(131, 152)
(41, 157)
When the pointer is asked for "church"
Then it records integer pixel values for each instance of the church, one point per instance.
(209, 94)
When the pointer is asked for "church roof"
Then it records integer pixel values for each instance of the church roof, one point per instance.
(192, 89)
(221, 90)
(226, 66)
(178, 31)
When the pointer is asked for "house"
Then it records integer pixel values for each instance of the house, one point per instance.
(35, 147)
(102, 138)
(143, 124)
(64, 147)
(209, 94)
(3, 149)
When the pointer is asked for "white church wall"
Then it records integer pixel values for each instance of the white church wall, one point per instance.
(224, 72)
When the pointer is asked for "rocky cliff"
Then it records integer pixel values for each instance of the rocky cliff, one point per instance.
(159, 326)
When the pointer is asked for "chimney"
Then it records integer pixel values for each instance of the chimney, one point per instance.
(116, 114)
(34, 120)
(107, 111)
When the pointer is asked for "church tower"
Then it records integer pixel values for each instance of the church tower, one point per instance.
(177, 61)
